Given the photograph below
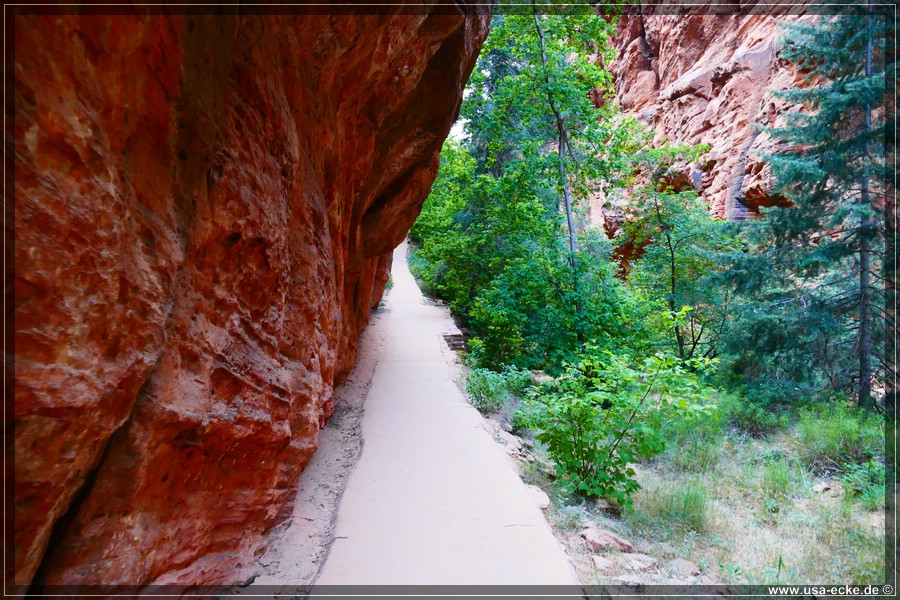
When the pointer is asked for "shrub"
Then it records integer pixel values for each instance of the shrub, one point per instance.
(603, 413)
(865, 481)
(418, 266)
(833, 436)
(873, 498)
(517, 380)
(758, 421)
(487, 390)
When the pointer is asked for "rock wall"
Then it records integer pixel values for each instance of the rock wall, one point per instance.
(204, 211)
(705, 79)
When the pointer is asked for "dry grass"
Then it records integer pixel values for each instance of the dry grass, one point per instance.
(763, 523)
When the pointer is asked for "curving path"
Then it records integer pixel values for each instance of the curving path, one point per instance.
(433, 499)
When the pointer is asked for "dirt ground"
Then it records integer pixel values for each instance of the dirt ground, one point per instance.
(299, 545)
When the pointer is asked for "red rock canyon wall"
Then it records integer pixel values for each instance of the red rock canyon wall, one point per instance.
(204, 213)
(705, 79)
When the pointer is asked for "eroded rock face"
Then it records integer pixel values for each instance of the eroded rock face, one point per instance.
(204, 213)
(705, 79)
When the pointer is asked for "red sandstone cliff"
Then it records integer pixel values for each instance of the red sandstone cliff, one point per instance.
(705, 79)
(204, 210)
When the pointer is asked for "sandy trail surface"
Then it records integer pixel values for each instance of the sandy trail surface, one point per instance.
(408, 486)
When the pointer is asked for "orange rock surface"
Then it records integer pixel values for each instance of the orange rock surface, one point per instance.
(706, 79)
(204, 213)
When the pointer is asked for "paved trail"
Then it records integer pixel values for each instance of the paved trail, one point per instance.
(433, 499)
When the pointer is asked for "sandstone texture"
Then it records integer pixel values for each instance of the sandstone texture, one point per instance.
(706, 79)
(205, 208)
(600, 539)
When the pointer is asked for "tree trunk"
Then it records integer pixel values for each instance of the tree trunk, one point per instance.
(563, 139)
(563, 145)
(865, 301)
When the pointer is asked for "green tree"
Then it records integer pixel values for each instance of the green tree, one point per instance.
(816, 265)
(492, 248)
(606, 411)
(540, 109)
(500, 238)
(680, 247)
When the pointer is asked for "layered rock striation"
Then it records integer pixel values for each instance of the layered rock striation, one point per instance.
(204, 212)
(707, 79)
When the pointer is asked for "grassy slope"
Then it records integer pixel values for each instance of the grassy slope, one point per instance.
(751, 517)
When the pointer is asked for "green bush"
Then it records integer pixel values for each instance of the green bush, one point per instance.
(487, 390)
(873, 498)
(833, 436)
(865, 482)
(755, 420)
(418, 266)
(517, 380)
(604, 412)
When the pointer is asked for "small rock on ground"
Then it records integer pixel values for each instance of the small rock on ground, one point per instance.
(834, 488)
(539, 496)
(603, 564)
(600, 539)
(638, 562)
(630, 580)
(683, 568)
(493, 426)
(510, 440)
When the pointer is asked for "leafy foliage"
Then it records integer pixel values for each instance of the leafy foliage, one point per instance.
(492, 231)
(492, 248)
(605, 412)
(753, 418)
(681, 247)
(832, 437)
(489, 390)
(866, 481)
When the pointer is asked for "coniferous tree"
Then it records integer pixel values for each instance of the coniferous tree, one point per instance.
(817, 268)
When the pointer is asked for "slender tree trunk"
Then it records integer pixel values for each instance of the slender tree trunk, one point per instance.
(563, 147)
(673, 272)
(563, 139)
(679, 338)
(865, 321)
(865, 300)
(567, 197)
